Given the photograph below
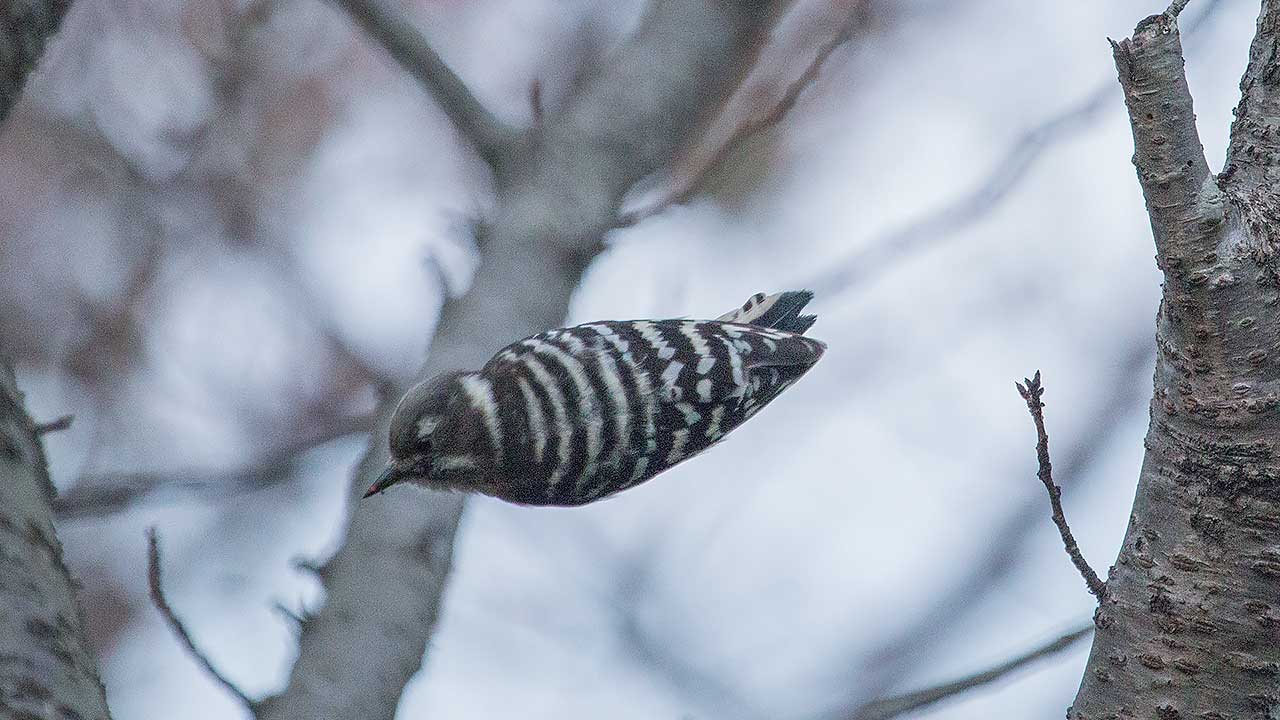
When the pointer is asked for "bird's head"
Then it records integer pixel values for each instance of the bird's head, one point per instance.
(418, 425)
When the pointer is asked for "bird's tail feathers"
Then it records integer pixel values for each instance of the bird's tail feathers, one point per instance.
(780, 311)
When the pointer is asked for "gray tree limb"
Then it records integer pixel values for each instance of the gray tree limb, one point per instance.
(1190, 625)
(490, 136)
(47, 669)
(25, 28)
(97, 496)
(562, 193)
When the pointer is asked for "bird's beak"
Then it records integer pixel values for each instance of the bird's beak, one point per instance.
(390, 476)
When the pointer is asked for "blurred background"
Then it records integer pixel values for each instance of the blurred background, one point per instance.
(227, 226)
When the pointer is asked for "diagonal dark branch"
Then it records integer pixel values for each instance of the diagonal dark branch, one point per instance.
(1031, 392)
(890, 249)
(180, 630)
(902, 704)
(1167, 151)
(632, 589)
(490, 137)
(858, 18)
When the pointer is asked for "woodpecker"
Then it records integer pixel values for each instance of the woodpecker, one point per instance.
(574, 415)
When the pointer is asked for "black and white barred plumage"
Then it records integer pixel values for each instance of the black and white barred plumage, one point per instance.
(573, 415)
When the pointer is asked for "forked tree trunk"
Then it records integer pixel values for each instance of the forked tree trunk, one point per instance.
(1190, 624)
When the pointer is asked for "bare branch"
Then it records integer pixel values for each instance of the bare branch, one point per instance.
(171, 619)
(490, 137)
(902, 704)
(631, 591)
(25, 29)
(61, 423)
(1167, 151)
(97, 496)
(690, 187)
(933, 229)
(1031, 392)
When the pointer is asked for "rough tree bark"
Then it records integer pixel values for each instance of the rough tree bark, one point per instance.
(1190, 623)
(559, 190)
(25, 28)
(46, 667)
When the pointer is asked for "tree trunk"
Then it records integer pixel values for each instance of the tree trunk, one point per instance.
(1190, 623)
(46, 667)
(25, 28)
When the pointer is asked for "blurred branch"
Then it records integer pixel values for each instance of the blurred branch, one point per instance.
(893, 707)
(61, 423)
(535, 102)
(490, 136)
(933, 229)
(46, 665)
(384, 586)
(858, 18)
(887, 250)
(1031, 392)
(96, 496)
(25, 29)
(629, 593)
(162, 604)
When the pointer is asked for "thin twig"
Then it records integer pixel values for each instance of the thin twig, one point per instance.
(894, 706)
(686, 191)
(162, 604)
(61, 423)
(1031, 393)
(990, 568)
(490, 136)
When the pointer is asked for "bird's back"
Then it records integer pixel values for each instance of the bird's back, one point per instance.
(576, 414)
